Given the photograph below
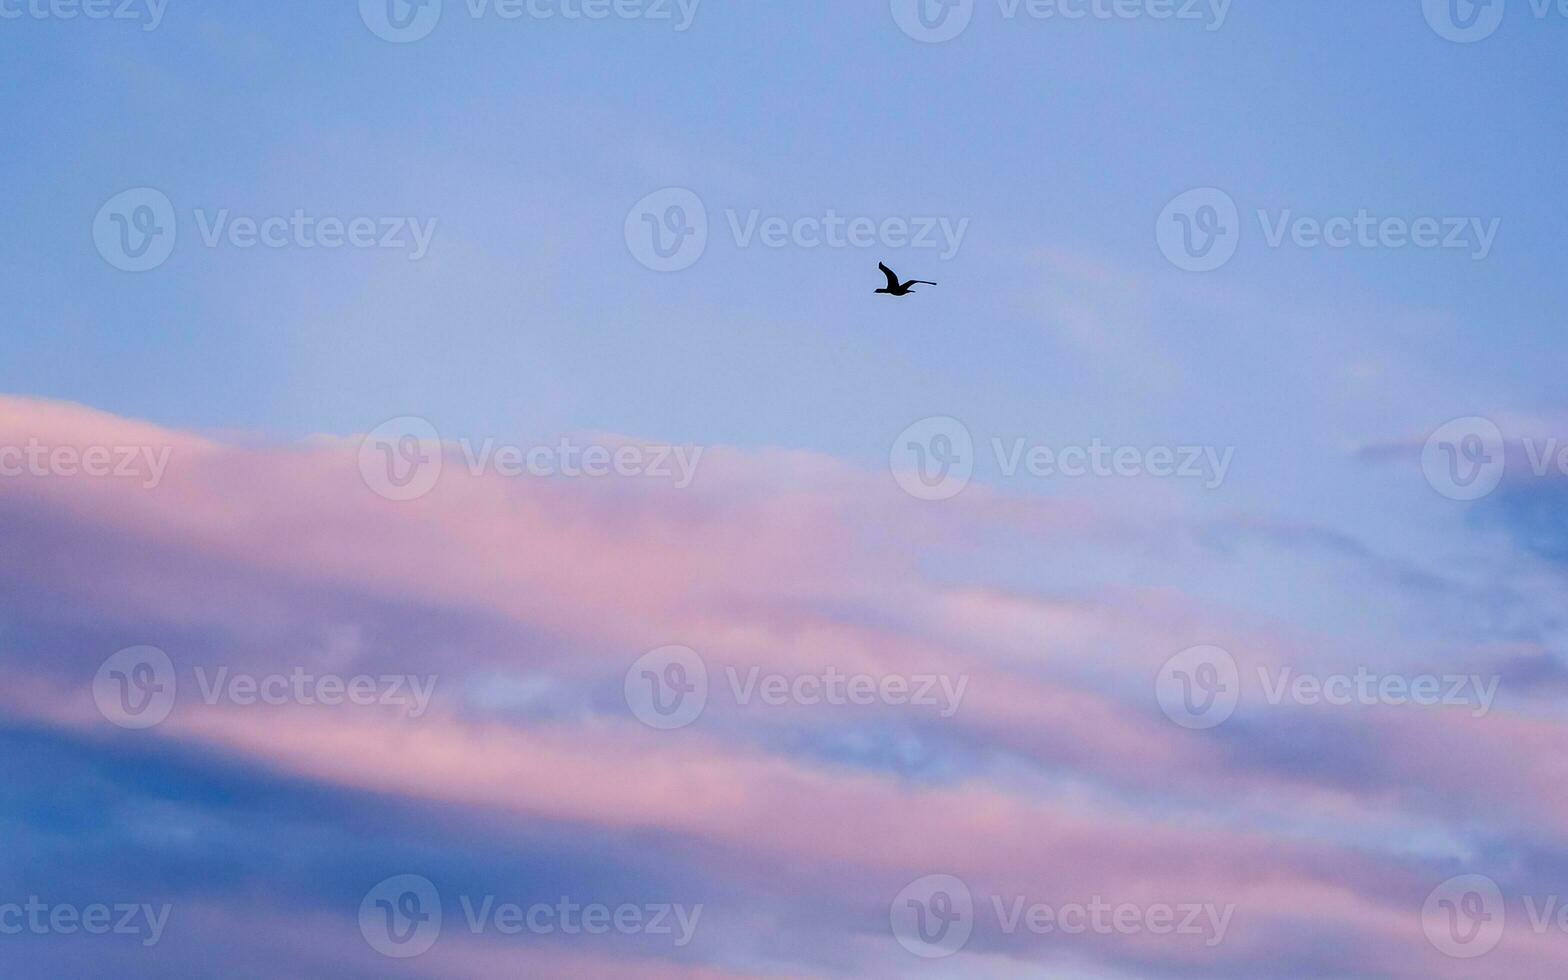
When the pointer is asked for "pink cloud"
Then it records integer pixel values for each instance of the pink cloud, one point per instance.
(792, 563)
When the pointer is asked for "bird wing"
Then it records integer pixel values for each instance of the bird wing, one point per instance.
(892, 280)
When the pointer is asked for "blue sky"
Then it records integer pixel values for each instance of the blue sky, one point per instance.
(528, 140)
(1059, 142)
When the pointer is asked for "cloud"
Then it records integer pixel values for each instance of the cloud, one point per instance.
(526, 600)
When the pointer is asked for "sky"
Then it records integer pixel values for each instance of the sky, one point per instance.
(456, 473)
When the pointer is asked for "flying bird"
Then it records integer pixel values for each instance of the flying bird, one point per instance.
(894, 288)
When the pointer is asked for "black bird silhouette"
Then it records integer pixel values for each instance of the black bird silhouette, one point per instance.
(894, 288)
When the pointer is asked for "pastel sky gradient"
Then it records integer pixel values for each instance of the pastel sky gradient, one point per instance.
(265, 543)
